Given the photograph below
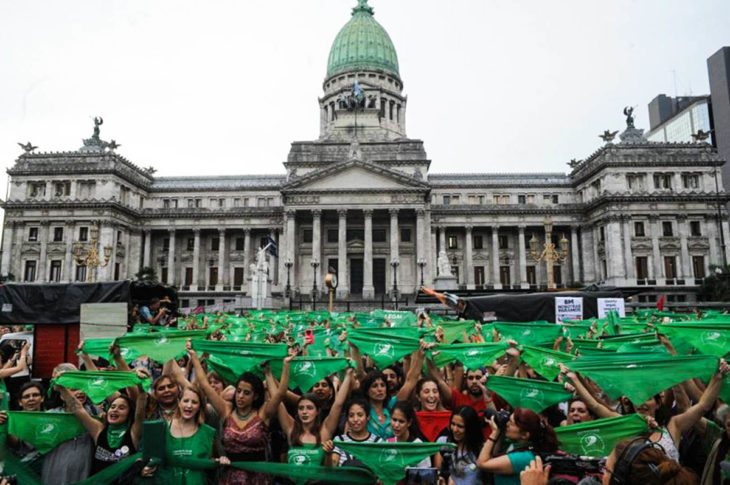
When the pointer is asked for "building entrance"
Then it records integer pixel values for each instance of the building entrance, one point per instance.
(356, 276)
(379, 276)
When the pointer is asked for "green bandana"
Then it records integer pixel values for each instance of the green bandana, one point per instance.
(528, 393)
(544, 361)
(307, 371)
(614, 343)
(396, 319)
(302, 474)
(529, 333)
(640, 378)
(597, 438)
(385, 345)
(115, 434)
(98, 385)
(231, 359)
(473, 356)
(389, 460)
(707, 339)
(44, 431)
(158, 346)
(97, 346)
(457, 330)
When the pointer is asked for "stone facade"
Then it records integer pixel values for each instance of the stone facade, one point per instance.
(360, 199)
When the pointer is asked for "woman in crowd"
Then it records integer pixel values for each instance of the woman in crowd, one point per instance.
(358, 415)
(310, 427)
(30, 398)
(165, 394)
(650, 466)
(529, 433)
(578, 412)
(713, 473)
(375, 388)
(465, 432)
(245, 421)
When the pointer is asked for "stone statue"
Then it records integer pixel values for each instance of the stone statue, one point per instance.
(629, 111)
(98, 121)
(355, 152)
(29, 147)
(372, 100)
(608, 135)
(444, 264)
(261, 264)
(574, 162)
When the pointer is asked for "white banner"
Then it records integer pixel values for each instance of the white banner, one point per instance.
(103, 320)
(606, 305)
(568, 308)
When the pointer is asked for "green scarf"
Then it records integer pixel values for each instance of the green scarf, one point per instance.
(473, 356)
(528, 393)
(231, 359)
(707, 339)
(614, 343)
(159, 346)
(385, 345)
(454, 331)
(115, 434)
(640, 378)
(307, 371)
(301, 474)
(597, 438)
(544, 361)
(98, 385)
(97, 346)
(389, 460)
(396, 319)
(529, 333)
(44, 431)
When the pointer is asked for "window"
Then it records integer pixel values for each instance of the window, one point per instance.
(307, 236)
(522, 199)
(117, 271)
(80, 273)
(165, 245)
(239, 244)
(236, 202)
(695, 228)
(29, 274)
(602, 234)
(639, 229)
(191, 244)
(667, 229)
(33, 234)
(482, 199)
(245, 201)
(455, 199)
(261, 202)
(238, 276)
(479, 275)
(501, 199)
(698, 266)
(504, 276)
(333, 235)
(662, 181)
(452, 242)
(163, 275)
(212, 276)
(355, 235)
(596, 185)
(191, 203)
(270, 202)
(547, 198)
(62, 189)
(531, 276)
(166, 204)
(447, 200)
(472, 199)
(642, 267)
(670, 267)
(188, 276)
(215, 244)
(690, 181)
(555, 198)
(198, 202)
(478, 241)
(405, 234)
(55, 275)
(503, 241)
(631, 181)
(83, 234)
(221, 202)
(379, 236)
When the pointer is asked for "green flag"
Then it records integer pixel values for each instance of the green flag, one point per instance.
(385, 345)
(389, 460)
(597, 438)
(640, 378)
(472, 356)
(613, 343)
(457, 330)
(531, 333)
(707, 339)
(303, 473)
(544, 361)
(528, 393)
(396, 318)
(98, 385)
(307, 371)
(159, 346)
(97, 346)
(44, 431)
(231, 359)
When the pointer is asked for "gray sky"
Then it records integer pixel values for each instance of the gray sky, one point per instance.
(224, 86)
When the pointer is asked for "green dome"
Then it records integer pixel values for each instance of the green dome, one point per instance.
(362, 44)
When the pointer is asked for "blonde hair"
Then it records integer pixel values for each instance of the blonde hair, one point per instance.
(200, 418)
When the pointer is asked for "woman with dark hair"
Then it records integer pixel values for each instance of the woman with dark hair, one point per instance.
(530, 434)
(578, 412)
(31, 396)
(244, 422)
(404, 423)
(720, 451)
(308, 430)
(650, 466)
(375, 389)
(165, 395)
(358, 415)
(465, 432)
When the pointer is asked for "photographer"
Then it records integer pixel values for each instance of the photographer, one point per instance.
(459, 466)
(154, 313)
(530, 435)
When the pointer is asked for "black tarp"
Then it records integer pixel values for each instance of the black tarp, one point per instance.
(35, 304)
(532, 306)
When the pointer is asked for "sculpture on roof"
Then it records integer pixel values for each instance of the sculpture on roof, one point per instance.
(95, 143)
(113, 145)
(608, 135)
(701, 135)
(98, 121)
(150, 170)
(574, 162)
(629, 111)
(28, 147)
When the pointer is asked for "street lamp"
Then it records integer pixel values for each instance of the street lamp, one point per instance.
(88, 254)
(315, 265)
(421, 265)
(288, 265)
(395, 264)
(549, 254)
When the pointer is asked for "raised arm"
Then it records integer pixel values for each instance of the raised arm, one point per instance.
(222, 408)
(593, 404)
(414, 373)
(19, 366)
(444, 387)
(333, 418)
(681, 423)
(139, 412)
(270, 407)
(93, 426)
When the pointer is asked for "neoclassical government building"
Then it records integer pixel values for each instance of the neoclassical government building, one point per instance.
(361, 199)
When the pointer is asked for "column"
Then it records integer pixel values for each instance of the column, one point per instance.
(68, 264)
(8, 247)
(395, 238)
(574, 253)
(468, 262)
(588, 255)
(196, 261)
(147, 248)
(432, 256)
(614, 250)
(126, 272)
(495, 258)
(113, 257)
(222, 273)
(685, 268)
(291, 220)
(42, 275)
(106, 238)
(170, 258)
(628, 252)
(342, 280)
(317, 245)
(523, 256)
(246, 257)
(442, 239)
(428, 252)
(712, 237)
(368, 291)
(655, 251)
(421, 245)
(275, 260)
(726, 235)
(597, 265)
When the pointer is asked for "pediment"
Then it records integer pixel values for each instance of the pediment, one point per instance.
(355, 175)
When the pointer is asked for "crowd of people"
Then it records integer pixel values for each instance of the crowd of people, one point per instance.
(388, 397)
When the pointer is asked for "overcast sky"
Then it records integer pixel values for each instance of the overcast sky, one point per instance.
(224, 86)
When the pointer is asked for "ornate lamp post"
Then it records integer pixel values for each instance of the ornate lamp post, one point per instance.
(88, 255)
(421, 265)
(315, 265)
(287, 291)
(395, 264)
(549, 254)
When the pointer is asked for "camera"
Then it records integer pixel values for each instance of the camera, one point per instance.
(448, 457)
(572, 465)
(501, 418)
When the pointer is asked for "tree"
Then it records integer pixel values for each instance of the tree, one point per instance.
(716, 287)
(147, 275)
